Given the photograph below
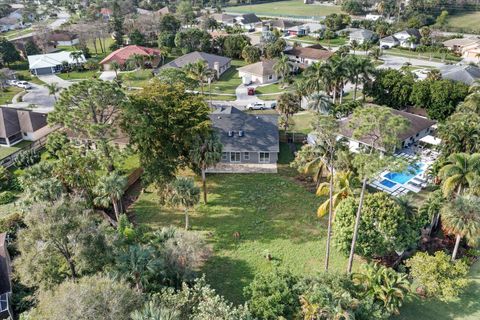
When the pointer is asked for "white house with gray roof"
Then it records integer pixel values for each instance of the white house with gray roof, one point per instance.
(250, 141)
(362, 35)
(217, 63)
(467, 74)
(49, 63)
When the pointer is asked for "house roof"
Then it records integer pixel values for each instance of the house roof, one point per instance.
(248, 18)
(310, 53)
(312, 27)
(9, 21)
(192, 57)
(123, 54)
(282, 24)
(362, 34)
(10, 124)
(260, 132)
(61, 35)
(411, 32)
(465, 73)
(416, 124)
(222, 17)
(391, 39)
(164, 10)
(5, 268)
(461, 42)
(261, 68)
(106, 11)
(51, 59)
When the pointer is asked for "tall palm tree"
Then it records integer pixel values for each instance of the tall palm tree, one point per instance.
(184, 194)
(354, 45)
(320, 103)
(471, 103)
(200, 72)
(312, 160)
(314, 77)
(344, 186)
(206, 152)
(115, 66)
(76, 56)
(53, 89)
(460, 171)
(375, 53)
(282, 68)
(462, 219)
(109, 190)
(359, 68)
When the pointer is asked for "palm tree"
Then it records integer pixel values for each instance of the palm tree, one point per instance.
(354, 45)
(375, 53)
(314, 77)
(76, 55)
(115, 66)
(53, 89)
(359, 68)
(138, 60)
(434, 74)
(282, 68)
(206, 152)
(344, 185)
(154, 311)
(462, 218)
(110, 190)
(288, 104)
(460, 171)
(320, 103)
(184, 194)
(312, 160)
(199, 71)
(411, 41)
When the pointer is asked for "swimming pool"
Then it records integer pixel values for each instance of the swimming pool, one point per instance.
(388, 183)
(404, 177)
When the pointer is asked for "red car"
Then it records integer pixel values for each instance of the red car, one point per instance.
(251, 91)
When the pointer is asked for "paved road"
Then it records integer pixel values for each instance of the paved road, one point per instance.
(396, 62)
(62, 17)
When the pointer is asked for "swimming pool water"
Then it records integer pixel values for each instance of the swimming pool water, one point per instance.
(404, 177)
(388, 183)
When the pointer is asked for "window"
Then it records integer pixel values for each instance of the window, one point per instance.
(264, 157)
(246, 155)
(234, 156)
(270, 77)
(224, 156)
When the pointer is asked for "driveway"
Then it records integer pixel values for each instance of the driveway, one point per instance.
(107, 76)
(38, 95)
(52, 78)
(396, 62)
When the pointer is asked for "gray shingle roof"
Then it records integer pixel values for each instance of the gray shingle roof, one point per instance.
(466, 74)
(260, 132)
(10, 121)
(192, 57)
(261, 68)
(249, 18)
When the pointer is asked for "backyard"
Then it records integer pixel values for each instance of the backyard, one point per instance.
(272, 212)
(466, 22)
(287, 8)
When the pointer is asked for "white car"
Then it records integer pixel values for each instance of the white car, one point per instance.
(24, 85)
(12, 82)
(256, 106)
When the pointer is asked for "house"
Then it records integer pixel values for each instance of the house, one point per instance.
(408, 38)
(389, 42)
(467, 74)
(302, 57)
(362, 35)
(306, 29)
(15, 20)
(260, 72)
(459, 45)
(472, 55)
(418, 128)
(164, 10)
(121, 55)
(63, 38)
(280, 24)
(223, 18)
(49, 63)
(250, 141)
(21, 124)
(6, 311)
(106, 13)
(217, 63)
(247, 21)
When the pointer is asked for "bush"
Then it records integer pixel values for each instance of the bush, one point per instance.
(6, 197)
(26, 159)
(11, 223)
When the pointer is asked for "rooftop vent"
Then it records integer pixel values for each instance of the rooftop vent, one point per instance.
(241, 133)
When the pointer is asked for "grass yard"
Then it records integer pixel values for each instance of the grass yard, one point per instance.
(466, 22)
(271, 88)
(287, 8)
(436, 56)
(16, 33)
(228, 81)
(7, 95)
(467, 308)
(302, 121)
(6, 151)
(137, 78)
(273, 214)
(79, 75)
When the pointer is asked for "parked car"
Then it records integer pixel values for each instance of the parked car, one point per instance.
(251, 91)
(24, 85)
(12, 82)
(256, 106)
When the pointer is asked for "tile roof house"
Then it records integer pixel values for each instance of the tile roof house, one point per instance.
(260, 72)
(21, 124)
(6, 311)
(250, 141)
(302, 57)
(49, 63)
(418, 128)
(106, 13)
(467, 74)
(123, 54)
(215, 62)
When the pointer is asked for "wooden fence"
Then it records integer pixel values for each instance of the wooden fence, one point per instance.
(292, 137)
(8, 161)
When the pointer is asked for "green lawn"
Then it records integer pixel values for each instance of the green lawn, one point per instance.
(271, 88)
(286, 8)
(79, 75)
(6, 151)
(272, 212)
(137, 78)
(16, 33)
(467, 308)
(302, 122)
(27, 76)
(467, 22)
(228, 81)
(436, 56)
(7, 95)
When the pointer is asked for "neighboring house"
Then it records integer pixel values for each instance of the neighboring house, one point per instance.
(160, 12)
(418, 128)
(223, 18)
(9, 23)
(468, 48)
(21, 124)
(472, 55)
(305, 56)
(406, 36)
(389, 42)
(467, 74)
(250, 141)
(216, 63)
(280, 24)
(306, 29)
(49, 63)
(21, 42)
(247, 21)
(106, 13)
(362, 35)
(260, 72)
(123, 54)
(63, 38)
(6, 311)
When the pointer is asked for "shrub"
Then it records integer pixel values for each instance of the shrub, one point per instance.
(6, 197)
(11, 222)
(26, 159)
